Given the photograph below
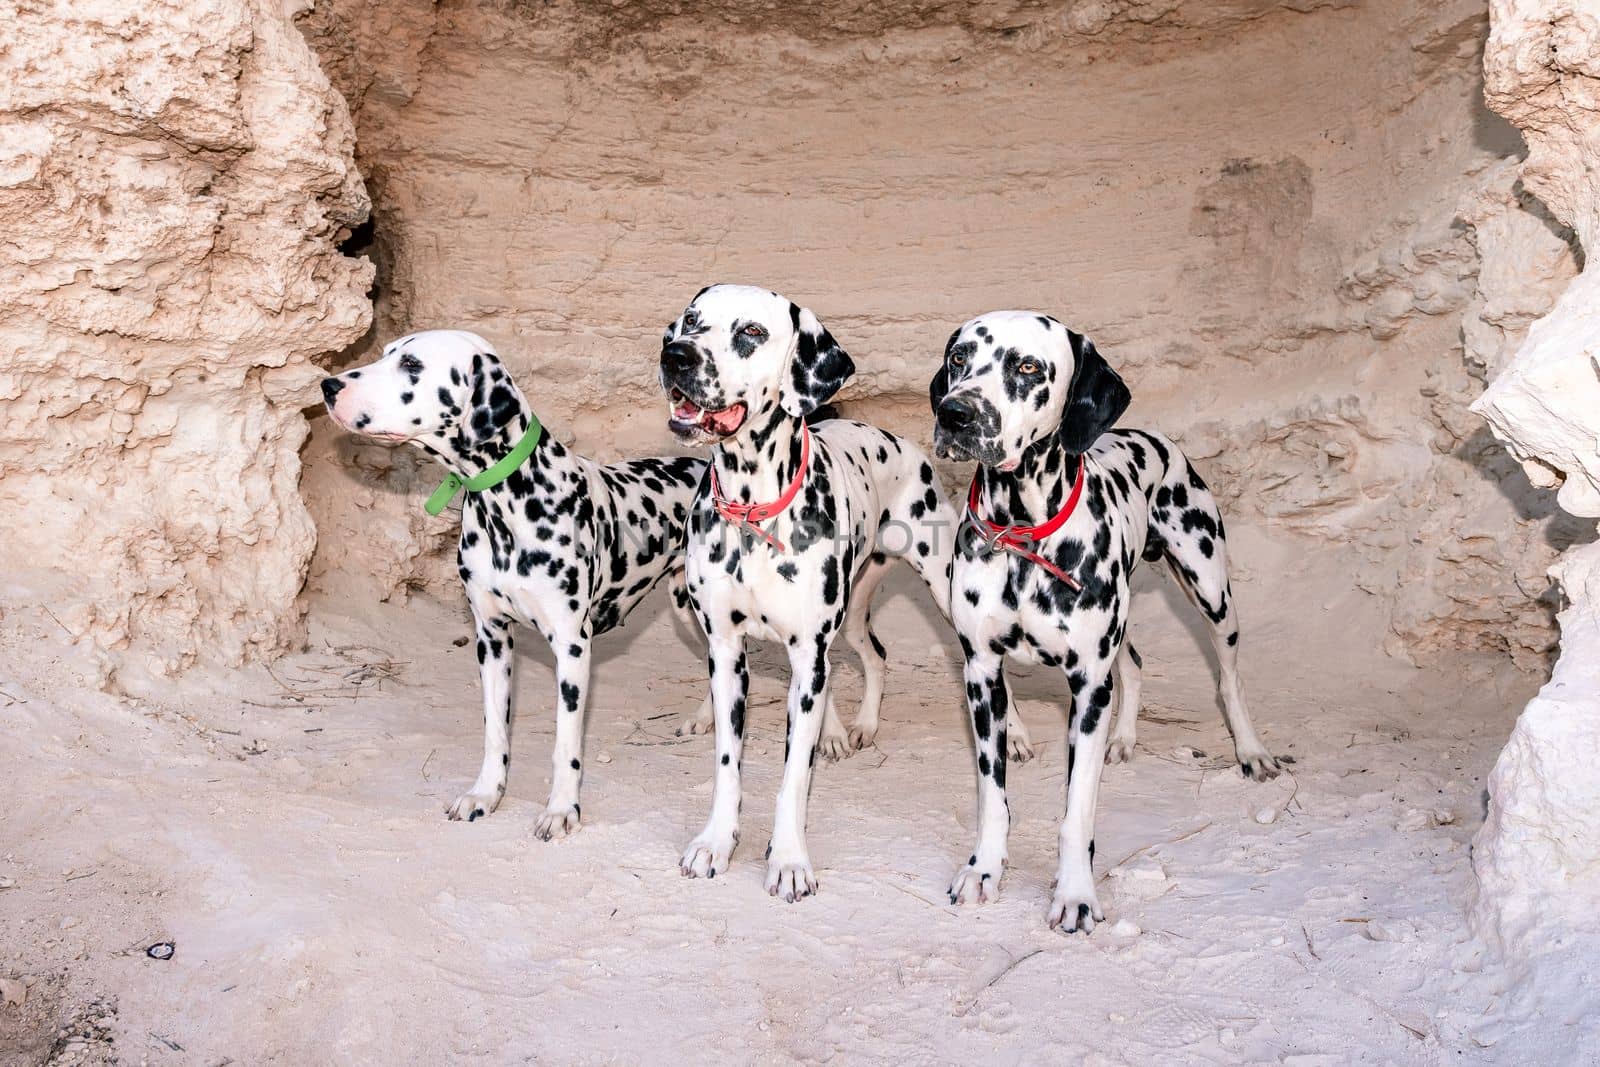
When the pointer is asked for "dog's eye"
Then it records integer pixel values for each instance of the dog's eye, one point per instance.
(753, 330)
(958, 360)
(1028, 366)
(410, 364)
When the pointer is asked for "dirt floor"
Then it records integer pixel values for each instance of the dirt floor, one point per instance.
(285, 831)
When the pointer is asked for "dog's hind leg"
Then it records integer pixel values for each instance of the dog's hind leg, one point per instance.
(494, 671)
(1129, 681)
(701, 721)
(832, 743)
(1186, 519)
(858, 631)
(562, 814)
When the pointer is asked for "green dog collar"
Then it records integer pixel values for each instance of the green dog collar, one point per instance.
(454, 483)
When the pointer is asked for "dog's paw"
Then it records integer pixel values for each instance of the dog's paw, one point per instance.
(474, 805)
(1075, 911)
(707, 856)
(833, 746)
(863, 734)
(790, 879)
(1258, 765)
(1119, 751)
(1019, 749)
(701, 722)
(557, 822)
(974, 884)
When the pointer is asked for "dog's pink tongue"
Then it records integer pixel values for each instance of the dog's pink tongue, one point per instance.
(727, 420)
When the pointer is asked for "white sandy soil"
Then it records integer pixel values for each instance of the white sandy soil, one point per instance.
(286, 831)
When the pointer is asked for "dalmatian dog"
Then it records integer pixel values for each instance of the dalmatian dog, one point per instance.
(562, 545)
(788, 538)
(1062, 508)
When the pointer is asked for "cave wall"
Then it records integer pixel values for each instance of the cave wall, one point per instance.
(1290, 225)
(1305, 276)
(173, 180)
(1538, 854)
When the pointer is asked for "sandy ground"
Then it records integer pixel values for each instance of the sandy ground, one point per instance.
(285, 831)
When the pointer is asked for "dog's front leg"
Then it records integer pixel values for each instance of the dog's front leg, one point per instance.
(494, 671)
(1075, 905)
(988, 704)
(709, 854)
(789, 873)
(562, 814)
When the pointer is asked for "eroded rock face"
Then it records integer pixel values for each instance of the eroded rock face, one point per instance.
(1285, 268)
(174, 177)
(1539, 850)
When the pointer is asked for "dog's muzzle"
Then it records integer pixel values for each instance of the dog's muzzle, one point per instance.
(965, 430)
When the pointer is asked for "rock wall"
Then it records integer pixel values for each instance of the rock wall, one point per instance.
(174, 178)
(1538, 854)
(1305, 277)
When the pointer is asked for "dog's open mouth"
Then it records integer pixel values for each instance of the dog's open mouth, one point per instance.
(687, 416)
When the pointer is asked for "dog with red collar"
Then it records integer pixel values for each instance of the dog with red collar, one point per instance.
(792, 531)
(1061, 510)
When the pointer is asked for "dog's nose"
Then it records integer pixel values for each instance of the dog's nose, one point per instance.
(679, 356)
(330, 389)
(956, 415)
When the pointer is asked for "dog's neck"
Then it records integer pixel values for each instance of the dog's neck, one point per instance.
(1034, 492)
(469, 455)
(757, 466)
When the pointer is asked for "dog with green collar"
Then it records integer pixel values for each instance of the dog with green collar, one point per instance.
(549, 540)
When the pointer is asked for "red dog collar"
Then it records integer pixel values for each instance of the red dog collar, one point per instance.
(1016, 538)
(748, 516)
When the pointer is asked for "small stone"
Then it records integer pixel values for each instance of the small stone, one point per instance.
(1125, 928)
(1397, 930)
(604, 757)
(13, 992)
(1266, 816)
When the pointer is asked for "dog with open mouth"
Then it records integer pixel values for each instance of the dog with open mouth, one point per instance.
(1061, 510)
(793, 529)
(549, 540)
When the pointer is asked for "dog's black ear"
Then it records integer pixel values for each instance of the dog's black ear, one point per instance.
(941, 381)
(493, 402)
(819, 366)
(1096, 398)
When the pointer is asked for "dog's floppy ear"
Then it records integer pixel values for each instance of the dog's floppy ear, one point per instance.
(819, 366)
(1096, 398)
(941, 381)
(493, 402)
